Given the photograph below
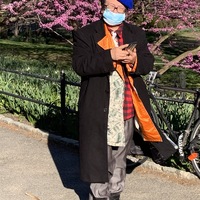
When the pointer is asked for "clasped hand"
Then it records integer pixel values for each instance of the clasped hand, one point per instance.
(123, 54)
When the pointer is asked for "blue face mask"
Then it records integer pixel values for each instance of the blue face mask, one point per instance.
(112, 18)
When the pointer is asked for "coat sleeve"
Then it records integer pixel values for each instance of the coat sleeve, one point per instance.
(88, 58)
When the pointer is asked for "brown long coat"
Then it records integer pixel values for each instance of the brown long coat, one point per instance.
(94, 65)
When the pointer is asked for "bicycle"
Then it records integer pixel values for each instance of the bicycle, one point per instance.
(187, 142)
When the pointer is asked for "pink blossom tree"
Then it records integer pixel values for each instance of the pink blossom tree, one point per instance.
(53, 14)
(167, 15)
(166, 18)
(163, 17)
(68, 14)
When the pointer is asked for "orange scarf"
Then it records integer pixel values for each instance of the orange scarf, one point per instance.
(149, 131)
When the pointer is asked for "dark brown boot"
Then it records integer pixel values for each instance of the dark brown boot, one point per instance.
(92, 197)
(114, 196)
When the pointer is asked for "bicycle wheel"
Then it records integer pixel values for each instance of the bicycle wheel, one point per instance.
(195, 148)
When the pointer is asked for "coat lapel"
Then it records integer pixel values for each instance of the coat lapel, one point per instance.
(100, 33)
(128, 35)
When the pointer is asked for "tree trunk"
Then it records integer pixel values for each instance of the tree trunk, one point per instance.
(16, 30)
(161, 40)
(178, 59)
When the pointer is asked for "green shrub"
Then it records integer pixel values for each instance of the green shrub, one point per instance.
(37, 89)
(178, 114)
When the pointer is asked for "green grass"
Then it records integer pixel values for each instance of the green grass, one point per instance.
(33, 46)
(59, 55)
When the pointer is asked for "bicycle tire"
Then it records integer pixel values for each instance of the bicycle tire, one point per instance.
(196, 160)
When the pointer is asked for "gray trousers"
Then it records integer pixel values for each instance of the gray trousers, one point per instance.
(116, 167)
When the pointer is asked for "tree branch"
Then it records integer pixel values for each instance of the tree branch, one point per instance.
(178, 59)
(56, 32)
(161, 40)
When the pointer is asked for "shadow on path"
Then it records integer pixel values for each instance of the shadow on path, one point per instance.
(67, 163)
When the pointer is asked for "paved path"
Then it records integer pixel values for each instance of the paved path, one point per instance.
(32, 167)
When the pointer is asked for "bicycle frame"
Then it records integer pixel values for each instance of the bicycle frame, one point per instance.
(161, 115)
(181, 139)
(193, 119)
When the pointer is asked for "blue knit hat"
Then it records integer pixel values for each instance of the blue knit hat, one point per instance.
(127, 3)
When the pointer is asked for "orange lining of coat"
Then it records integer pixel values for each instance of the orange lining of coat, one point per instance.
(149, 131)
